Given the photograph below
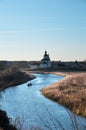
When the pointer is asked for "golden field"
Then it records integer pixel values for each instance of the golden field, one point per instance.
(70, 92)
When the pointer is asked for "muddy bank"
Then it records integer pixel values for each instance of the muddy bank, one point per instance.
(10, 78)
(4, 122)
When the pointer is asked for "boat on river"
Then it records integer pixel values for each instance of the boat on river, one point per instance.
(33, 104)
(29, 84)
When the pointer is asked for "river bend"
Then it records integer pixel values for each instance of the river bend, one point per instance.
(33, 110)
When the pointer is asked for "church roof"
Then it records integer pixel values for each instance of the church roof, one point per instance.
(46, 57)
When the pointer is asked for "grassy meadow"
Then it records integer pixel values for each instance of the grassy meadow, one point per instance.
(70, 92)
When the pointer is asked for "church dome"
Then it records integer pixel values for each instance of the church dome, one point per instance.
(45, 62)
(46, 57)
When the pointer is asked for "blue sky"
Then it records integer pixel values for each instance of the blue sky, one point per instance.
(29, 27)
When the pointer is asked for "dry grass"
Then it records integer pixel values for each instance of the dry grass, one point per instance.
(12, 77)
(71, 92)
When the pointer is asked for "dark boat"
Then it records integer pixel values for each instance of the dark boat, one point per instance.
(30, 84)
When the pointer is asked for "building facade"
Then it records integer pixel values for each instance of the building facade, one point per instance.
(45, 62)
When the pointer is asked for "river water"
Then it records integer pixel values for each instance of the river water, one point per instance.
(30, 110)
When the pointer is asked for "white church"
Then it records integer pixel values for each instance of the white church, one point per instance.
(45, 62)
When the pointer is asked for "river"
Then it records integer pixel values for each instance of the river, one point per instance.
(30, 110)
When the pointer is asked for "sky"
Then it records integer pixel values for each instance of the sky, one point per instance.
(29, 27)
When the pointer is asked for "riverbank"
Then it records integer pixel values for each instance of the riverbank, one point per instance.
(70, 92)
(11, 77)
(5, 122)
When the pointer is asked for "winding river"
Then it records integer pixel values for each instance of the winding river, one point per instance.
(29, 108)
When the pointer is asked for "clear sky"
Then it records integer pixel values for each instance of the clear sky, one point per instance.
(29, 27)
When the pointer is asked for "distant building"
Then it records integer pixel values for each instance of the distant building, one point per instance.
(33, 66)
(45, 62)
